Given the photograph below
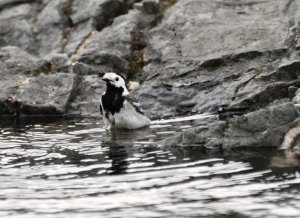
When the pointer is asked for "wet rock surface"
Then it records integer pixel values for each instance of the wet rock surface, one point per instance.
(239, 59)
(262, 128)
(31, 86)
(51, 94)
(230, 55)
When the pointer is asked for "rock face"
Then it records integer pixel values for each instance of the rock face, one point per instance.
(239, 59)
(51, 94)
(26, 89)
(230, 55)
(263, 128)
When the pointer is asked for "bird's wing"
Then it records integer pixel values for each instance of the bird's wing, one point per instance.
(133, 101)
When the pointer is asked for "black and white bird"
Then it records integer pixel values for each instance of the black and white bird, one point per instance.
(119, 110)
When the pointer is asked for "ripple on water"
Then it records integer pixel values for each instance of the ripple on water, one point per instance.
(76, 168)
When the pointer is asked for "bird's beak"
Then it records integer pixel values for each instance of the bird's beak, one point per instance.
(105, 80)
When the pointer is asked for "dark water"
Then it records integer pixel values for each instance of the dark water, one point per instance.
(74, 168)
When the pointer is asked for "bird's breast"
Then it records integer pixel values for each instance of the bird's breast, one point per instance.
(112, 102)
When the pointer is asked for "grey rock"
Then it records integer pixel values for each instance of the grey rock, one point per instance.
(82, 69)
(86, 96)
(46, 94)
(50, 27)
(58, 62)
(78, 36)
(105, 62)
(213, 29)
(100, 11)
(25, 89)
(46, 27)
(37, 27)
(15, 60)
(216, 57)
(15, 65)
(263, 128)
(209, 136)
(116, 40)
(88, 17)
(148, 6)
(17, 25)
(11, 2)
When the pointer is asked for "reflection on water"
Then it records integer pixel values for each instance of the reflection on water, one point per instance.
(75, 168)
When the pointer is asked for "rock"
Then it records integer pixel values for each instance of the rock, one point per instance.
(132, 85)
(58, 62)
(263, 128)
(14, 60)
(214, 57)
(16, 27)
(78, 38)
(50, 27)
(38, 27)
(46, 94)
(148, 6)
(86, 96)
(101, 11)
(16, 66)
(87, 17)
(82, 69)
(114, 43)
(209, 136)
(25, 87)
(185, 35)
(11, 2)
(292, 92)
(105, 62)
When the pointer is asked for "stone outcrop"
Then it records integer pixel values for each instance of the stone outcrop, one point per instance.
(228, 55)
(29, 87)
(262, 128)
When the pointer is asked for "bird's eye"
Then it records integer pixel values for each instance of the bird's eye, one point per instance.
(117, 78)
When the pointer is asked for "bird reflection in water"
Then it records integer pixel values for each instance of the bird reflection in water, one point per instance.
(119, 145)
(117, 154)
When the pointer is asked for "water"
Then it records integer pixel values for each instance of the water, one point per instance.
(74, 168)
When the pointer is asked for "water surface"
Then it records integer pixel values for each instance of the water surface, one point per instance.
(74, 168)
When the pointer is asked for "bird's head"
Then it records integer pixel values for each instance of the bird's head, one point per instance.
(115, 80)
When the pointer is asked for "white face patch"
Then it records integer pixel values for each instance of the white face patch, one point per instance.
(116, 80)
